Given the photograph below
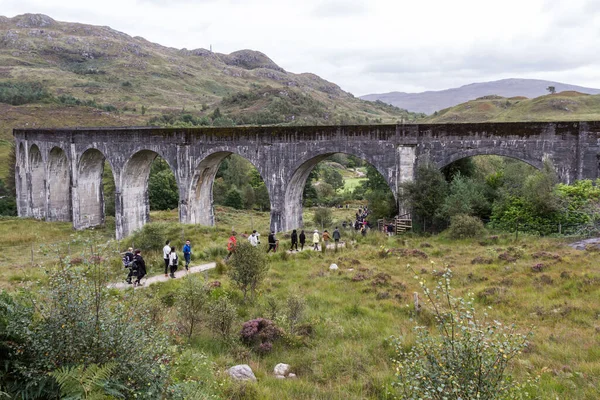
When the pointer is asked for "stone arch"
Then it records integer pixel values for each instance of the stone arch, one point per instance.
(292, 202)
(59, 186)
(88, 189)
(135, 204)
(449, 159)
(37, 182)
(200, 203)
(21, 180)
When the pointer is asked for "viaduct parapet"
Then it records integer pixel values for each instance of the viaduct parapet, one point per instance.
(59, 171)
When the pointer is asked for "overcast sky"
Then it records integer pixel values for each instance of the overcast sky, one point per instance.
(368, 46)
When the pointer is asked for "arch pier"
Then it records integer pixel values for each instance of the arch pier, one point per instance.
(58, 172)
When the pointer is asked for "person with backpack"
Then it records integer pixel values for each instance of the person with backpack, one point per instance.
(294, 240)
(187, 254)
(173, 261)
(127, 261)
(231, 244)
(272, 242)
(140, 267)
(166, 252)
(302, 238)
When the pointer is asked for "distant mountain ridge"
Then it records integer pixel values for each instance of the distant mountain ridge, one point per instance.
(431, 101)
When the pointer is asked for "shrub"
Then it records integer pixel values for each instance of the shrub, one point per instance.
(322, 217)
(295, 311)
(467, 359)
(234, 199)
(221, 316)
(151, 236)
(465, 226)
(249, 265)
(260, 334)
(78, 323)
(191, 302)
(193, 378)
(18, 93)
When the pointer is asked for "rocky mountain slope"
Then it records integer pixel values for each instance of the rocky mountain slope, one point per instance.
(431, 101)
(94, 63)
(68, 74)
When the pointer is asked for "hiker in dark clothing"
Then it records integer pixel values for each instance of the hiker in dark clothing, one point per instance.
(272, 242)
(140, 266)
(294, 240)
(336, 237)
(302, 239)
(127, 261)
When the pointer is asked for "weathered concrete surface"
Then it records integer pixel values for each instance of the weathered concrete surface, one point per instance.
(51, 160)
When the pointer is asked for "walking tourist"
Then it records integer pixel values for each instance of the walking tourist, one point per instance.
(187, 254)
(294, 240)
(166, 253)
(316, 240)
(231, 244)
(302, 238)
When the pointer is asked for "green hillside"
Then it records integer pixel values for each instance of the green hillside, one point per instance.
(80, 64)
(564, 106)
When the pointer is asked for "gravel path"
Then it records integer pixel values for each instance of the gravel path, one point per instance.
(161, 278)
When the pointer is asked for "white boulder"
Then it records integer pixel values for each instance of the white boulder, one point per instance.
(241, 372)
(281, 369)
(333, 267)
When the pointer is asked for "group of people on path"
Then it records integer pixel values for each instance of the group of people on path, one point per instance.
(326, 236)
(172, 260)
(134, 261)
(136, 264)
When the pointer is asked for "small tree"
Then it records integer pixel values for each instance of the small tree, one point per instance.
(334, 178)
(249, 266)
(426, 194)
(192, 299)
(551, 89)
(323, 217)
(465, 226)
(466, 359)
(234, 199)
(221, 316)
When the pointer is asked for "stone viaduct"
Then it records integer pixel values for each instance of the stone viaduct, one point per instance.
(59, 171)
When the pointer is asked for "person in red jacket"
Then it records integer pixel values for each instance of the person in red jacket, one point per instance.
(231, 245)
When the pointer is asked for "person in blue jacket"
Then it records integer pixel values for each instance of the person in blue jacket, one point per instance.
(187, 254)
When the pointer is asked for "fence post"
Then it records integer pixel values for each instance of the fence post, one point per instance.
(517, 230)
(559, 228)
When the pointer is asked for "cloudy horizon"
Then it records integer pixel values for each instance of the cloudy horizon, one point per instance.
(368, 46)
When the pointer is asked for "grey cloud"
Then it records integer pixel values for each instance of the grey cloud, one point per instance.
(339, 8)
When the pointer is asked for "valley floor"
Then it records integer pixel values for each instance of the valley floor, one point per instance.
(539, 284)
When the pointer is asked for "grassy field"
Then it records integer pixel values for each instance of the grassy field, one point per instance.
(351, 183)
(351, 313)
